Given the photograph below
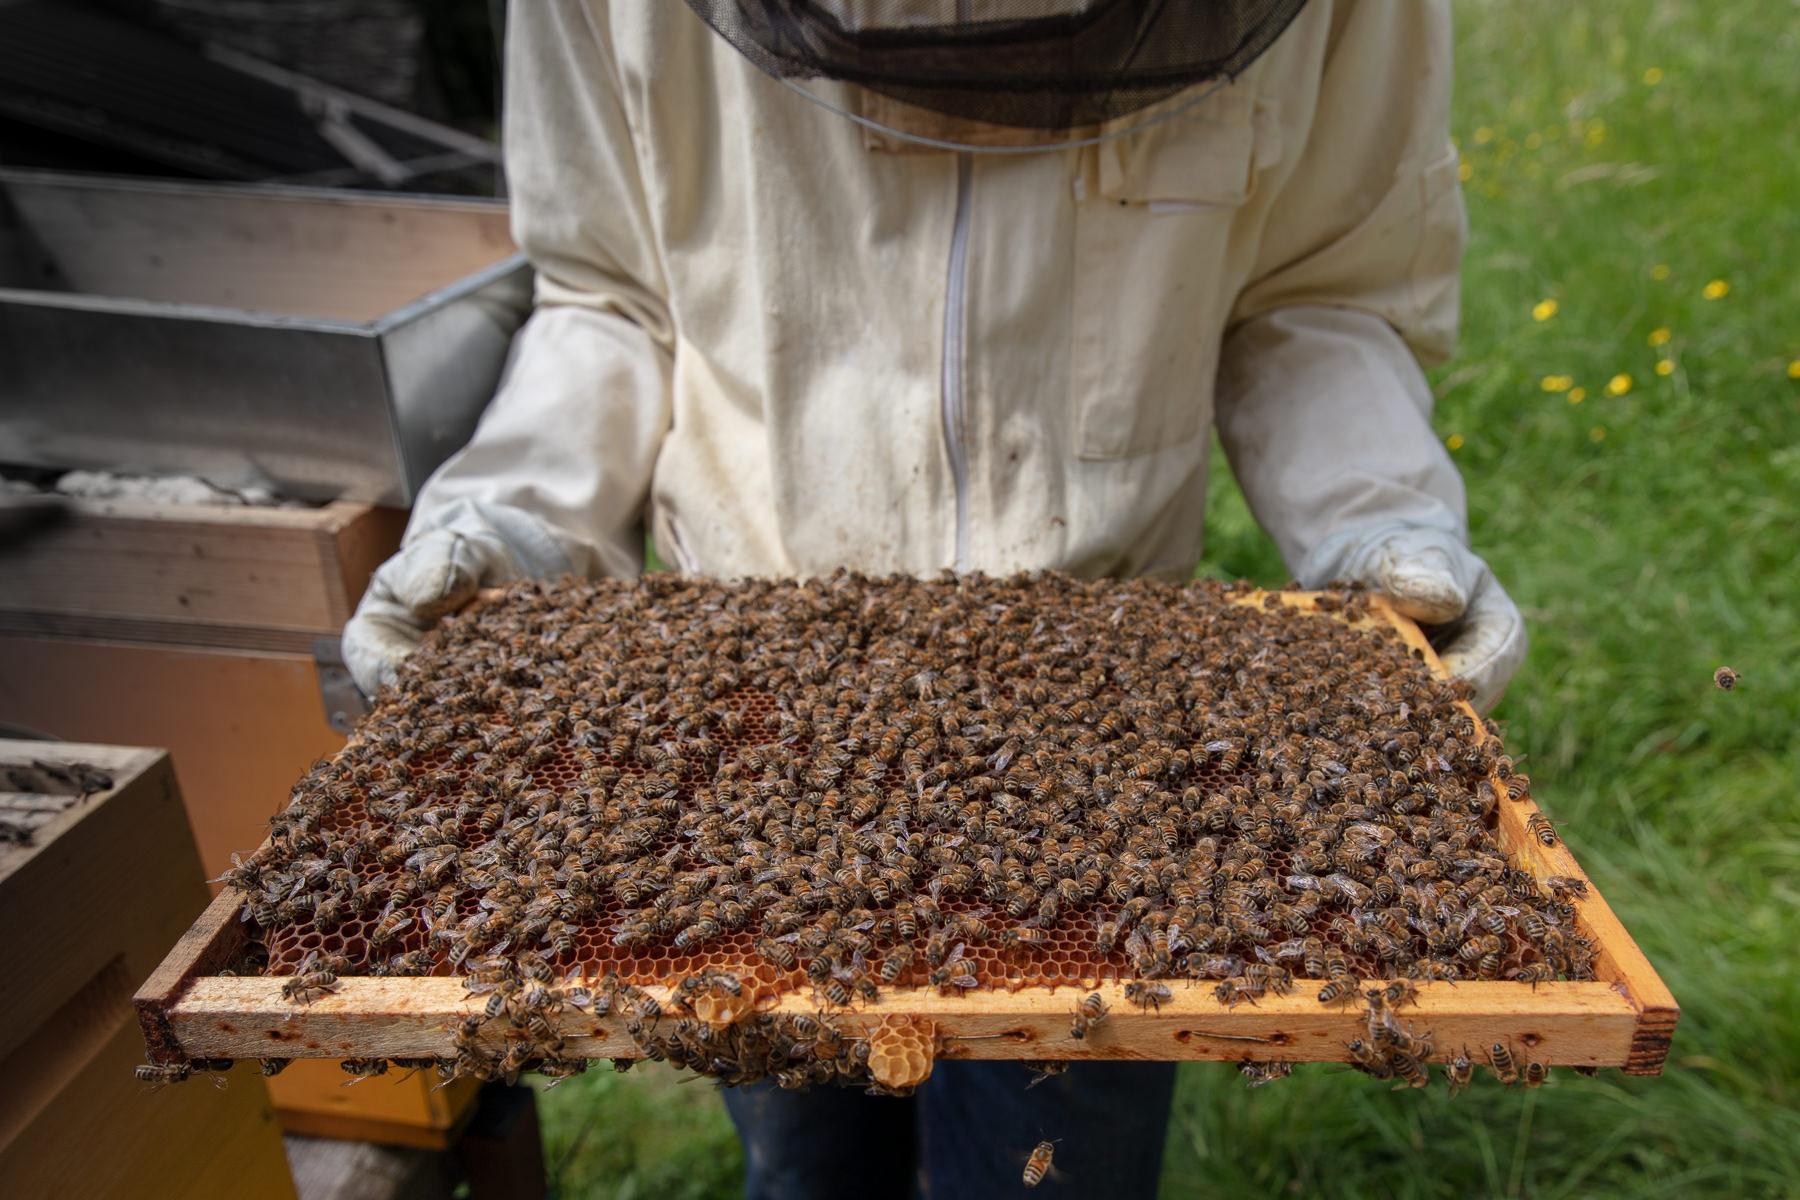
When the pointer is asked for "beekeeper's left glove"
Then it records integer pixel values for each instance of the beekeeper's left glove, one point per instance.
(1437, 581)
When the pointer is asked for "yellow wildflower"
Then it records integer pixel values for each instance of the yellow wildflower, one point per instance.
(1597, 433)
(1665, 366)
(1543, 310)
(1618, 385)
(1483, 136)
(1659, 337)
(1716, 289)
(1557, 383)
(1659, 272)
(1577, 395)
(1794, 369)
(1464, 172)
(1596, 132)
(1653, 76)
(1454, 441)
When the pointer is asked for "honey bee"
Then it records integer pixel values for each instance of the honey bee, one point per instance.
(896, 963)
(1400, 992)
(1368, 1059)
(1038, 1164)
(363, 1068)
(388, 929)
(1088, 1014)
(1539, 827)
(1459, 1071)
(1042, 1070)
(1258, 1074)
(1409, 1069)
(1500, 1059)
(1534, 1074)
(1533, 973)
(956, 971)
(1725, 679)
(308, 984)
(161, 1075)
(1147, 995)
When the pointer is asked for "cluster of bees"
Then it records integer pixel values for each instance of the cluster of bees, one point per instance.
(47, 788)
(849, 784)
(1391, 1049)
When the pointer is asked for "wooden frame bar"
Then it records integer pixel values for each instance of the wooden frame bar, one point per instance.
(1624, 1019)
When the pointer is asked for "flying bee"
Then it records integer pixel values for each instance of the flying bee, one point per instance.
(1725, 679)
(1038, 1164)
(1088, 1014)
(1147, 995)
(1042, 1070)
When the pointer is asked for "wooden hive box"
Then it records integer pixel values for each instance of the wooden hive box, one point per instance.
(193, 627)
(1624, 1018)
(190, 627)
(87, 906)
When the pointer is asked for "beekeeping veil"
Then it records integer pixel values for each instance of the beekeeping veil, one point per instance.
(1040, 72)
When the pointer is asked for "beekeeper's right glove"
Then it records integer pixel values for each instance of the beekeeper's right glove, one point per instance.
(468, 546)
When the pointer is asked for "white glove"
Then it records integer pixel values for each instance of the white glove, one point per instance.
(1430, 576)
(467, 545)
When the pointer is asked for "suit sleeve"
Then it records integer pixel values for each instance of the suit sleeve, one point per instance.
(567, 447)
(1323, 406)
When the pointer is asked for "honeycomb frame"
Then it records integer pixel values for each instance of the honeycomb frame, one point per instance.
(1623, 1018)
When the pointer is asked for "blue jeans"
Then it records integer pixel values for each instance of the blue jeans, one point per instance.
(967, 1132)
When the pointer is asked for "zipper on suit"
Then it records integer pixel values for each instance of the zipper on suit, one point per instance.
(956, 305)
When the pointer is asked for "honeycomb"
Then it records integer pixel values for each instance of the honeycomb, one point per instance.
(625, 710)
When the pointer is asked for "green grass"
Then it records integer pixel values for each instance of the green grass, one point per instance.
(1649, 537)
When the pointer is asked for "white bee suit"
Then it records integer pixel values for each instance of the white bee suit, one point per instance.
(785, 345)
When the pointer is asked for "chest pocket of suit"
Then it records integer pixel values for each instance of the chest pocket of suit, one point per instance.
(1153, 218)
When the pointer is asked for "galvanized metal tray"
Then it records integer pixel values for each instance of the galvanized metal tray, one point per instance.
(325, 344)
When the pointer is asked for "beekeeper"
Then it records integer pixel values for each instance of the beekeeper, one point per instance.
(906, 285)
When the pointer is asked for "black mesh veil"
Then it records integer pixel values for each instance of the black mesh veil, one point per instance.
(1030, 64)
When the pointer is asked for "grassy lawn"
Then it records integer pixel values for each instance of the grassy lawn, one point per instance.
(1620, 159)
